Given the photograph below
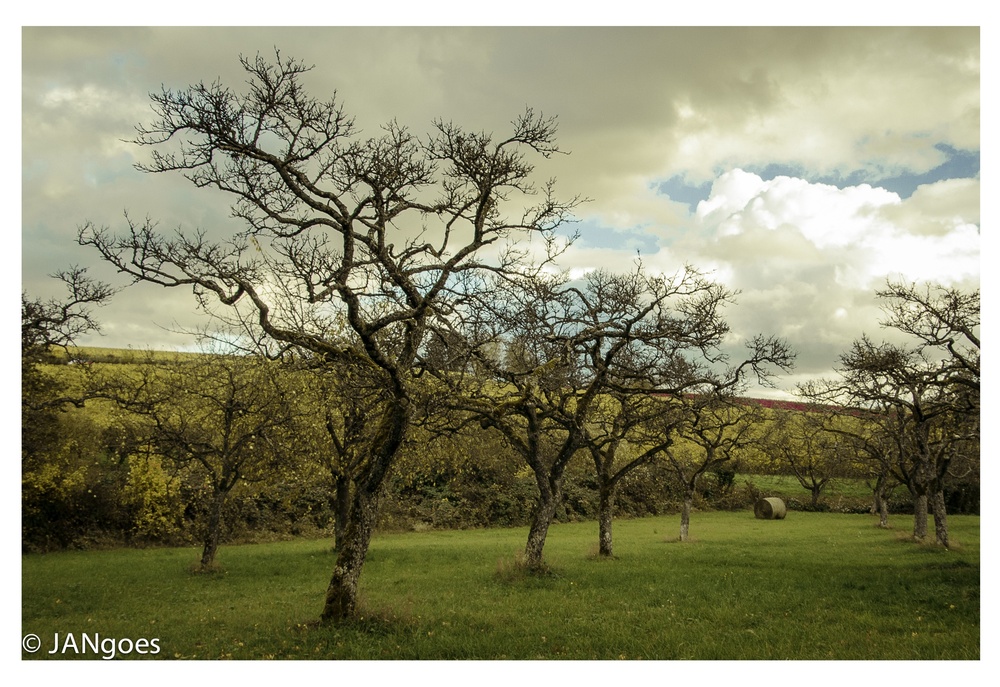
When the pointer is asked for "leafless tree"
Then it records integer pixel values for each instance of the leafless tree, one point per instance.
(927, 393)
(581, 368)
(376, 231)
(225, 418)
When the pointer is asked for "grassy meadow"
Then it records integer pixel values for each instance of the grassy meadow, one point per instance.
(813, 586)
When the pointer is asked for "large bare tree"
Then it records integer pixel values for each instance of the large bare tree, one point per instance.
(377, 231)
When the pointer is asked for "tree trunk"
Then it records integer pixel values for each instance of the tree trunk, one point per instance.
(920, 516)
(937, 503)
(545, 511)
(815, 496)
(213, 530)
(605, 515)
(342, 509)
(880, 505)
(342, 592)
(883, 512)
(686, 514)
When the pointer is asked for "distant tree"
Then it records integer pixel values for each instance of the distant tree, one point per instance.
(225, 419)
(582, 363)
(47, 470)
(47, 325)
(711, 429)
(377, 231)
(926, 394)
(799, 443)
(647, 344)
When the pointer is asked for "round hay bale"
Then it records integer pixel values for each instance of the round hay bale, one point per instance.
(770, 508)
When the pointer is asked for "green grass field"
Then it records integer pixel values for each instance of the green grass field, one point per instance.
(813, 586)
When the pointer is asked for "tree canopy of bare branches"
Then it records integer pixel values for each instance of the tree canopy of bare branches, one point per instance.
(375, 232)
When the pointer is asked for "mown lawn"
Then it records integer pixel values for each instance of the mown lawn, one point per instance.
(813, 586)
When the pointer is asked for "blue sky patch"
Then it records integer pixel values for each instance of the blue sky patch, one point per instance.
(960, 164)
(594, 235)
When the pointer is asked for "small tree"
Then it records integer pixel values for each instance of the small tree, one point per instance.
(223, 418)
(582, 364)
(798, 442)
(712, 428)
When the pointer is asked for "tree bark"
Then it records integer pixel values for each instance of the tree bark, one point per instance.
(686, 514)
(545, 511)
(937, 503)
(213, 530)
(883, 512)
(342, 592)
(605, 516)
(920, 516)
(342, 496)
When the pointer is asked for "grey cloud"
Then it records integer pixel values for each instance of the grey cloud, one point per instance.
(636, 106)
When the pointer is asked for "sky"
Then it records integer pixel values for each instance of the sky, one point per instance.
(800, 166)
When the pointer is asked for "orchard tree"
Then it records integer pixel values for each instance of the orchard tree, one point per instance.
(521, 381)
(874, 443)
(927, 392)
(581, 366)
(375, 231)
(47, 325)
(643, 339)
(333, 404)
(226, 419)
(799, 442)
(633, 431)
(711, 430)
(48, 472)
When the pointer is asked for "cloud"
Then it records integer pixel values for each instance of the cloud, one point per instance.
(866, 232)
(647, 113)
(807, 258)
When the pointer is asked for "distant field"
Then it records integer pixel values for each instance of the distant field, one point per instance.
(119, 355)
(787, 485)
(812, 586)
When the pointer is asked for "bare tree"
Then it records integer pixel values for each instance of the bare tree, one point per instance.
(56, 324)
(801, 442)
(47, 325)
(927, 394)
(376, 231)
(582, 366)
(713, 427)
(226, 418)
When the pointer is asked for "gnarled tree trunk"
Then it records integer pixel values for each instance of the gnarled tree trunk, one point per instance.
(545, 510)
(213, 529)
(342, 592)
(342, 505)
